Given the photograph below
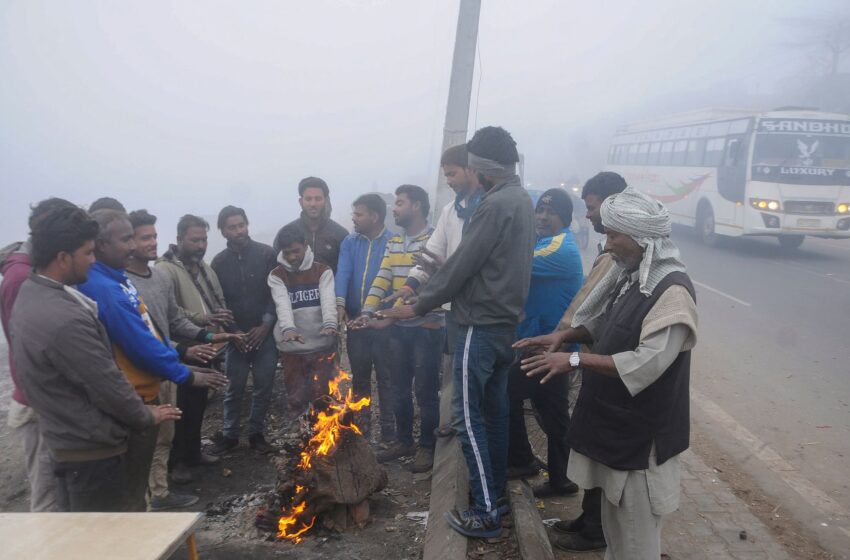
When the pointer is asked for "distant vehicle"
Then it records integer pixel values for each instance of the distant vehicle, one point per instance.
(783, 173)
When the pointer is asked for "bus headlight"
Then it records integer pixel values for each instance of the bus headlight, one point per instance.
(765, 204)
(843, 208)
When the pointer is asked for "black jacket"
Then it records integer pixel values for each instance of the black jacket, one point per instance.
(611, 426)
(324, 242)
(244, 281)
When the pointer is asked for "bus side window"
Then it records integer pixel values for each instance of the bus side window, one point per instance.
(666, 153)
(654, 150)
(734, 152)
(695, 150)
(714, 151)
(680, 149)
(643, 150)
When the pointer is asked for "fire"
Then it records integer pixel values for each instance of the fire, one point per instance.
(290, 520)
(328, 427)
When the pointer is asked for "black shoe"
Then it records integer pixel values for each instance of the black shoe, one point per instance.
(222, 446)
(259, 444)
(570, 526)
(394, 451)
(208, 460)
(578, 543)
(475, 525)
(546, 490)
(525, 471)
(180, 474)
(172, 500)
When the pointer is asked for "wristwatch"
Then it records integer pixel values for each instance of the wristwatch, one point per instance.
(574, 360)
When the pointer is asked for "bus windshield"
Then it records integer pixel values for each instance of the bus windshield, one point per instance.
(807, 151)
(795, 155)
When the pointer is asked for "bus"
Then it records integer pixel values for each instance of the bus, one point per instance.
(782, 173)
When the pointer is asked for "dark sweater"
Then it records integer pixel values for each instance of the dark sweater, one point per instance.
(68, 374)
(243, 277)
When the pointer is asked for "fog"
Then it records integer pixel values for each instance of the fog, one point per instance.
(183, 107)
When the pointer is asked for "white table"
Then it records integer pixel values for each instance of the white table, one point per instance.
(94, 536)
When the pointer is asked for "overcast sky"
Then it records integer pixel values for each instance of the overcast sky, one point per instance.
(183, 107)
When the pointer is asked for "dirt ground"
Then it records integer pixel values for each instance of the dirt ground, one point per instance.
(231, 492)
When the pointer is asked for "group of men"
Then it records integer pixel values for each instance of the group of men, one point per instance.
(113, 350)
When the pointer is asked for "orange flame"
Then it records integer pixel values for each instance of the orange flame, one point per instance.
(327, 430)
(290, 520)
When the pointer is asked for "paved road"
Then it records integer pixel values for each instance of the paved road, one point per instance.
(772, 370)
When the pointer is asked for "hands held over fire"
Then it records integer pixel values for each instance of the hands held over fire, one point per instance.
(550, 363)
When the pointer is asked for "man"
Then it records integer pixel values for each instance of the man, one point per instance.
(449, 230)
(141, 351)
(155, 289)
(85, 405)
(243, 269)
(306, 331)
(201, 298)
(631, 420)
(323, 235)
(413, 345)
(556, 276)
(584, 533)
(106, 203)
(487, 281)
(15, 266)
(360, 257)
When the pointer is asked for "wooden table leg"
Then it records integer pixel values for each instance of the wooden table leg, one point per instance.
(193, 547)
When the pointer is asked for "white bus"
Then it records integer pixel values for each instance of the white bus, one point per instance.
(783, 173)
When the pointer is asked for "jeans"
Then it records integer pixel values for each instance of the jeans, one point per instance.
(306, 378)
(480, 407)
(186, 448)
(139, 458)
(550, 403)
(414, 355)
(92, 486)
(367, 349)
(261, 363)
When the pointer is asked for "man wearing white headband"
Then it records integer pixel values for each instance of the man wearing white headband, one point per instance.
(632, 417)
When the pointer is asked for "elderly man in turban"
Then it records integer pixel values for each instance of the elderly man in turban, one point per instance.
(632, 418)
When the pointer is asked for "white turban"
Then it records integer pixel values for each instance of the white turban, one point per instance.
(647, 221)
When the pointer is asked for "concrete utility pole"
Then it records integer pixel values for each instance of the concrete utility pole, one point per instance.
(460, 91)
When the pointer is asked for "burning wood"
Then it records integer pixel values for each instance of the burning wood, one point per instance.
(333, 470)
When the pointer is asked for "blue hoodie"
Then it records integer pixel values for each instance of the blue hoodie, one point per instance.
(137, 343)
(556, 277)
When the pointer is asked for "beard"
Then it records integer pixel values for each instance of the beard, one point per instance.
(487, 185)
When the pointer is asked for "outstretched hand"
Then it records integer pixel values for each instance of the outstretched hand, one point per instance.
(164, 412)
(550, 342)
(398, 313)
(550, 363)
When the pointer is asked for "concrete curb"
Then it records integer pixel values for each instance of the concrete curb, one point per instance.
(528, 526)
(449, 488)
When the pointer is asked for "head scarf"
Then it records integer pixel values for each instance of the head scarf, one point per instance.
(490, 167)
(647, 221)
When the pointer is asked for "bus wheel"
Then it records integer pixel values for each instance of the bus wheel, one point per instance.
(791, 242)
(705, 226)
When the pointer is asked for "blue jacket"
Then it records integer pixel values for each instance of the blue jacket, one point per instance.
(556, 277)
(359, 263)
(120, 308)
